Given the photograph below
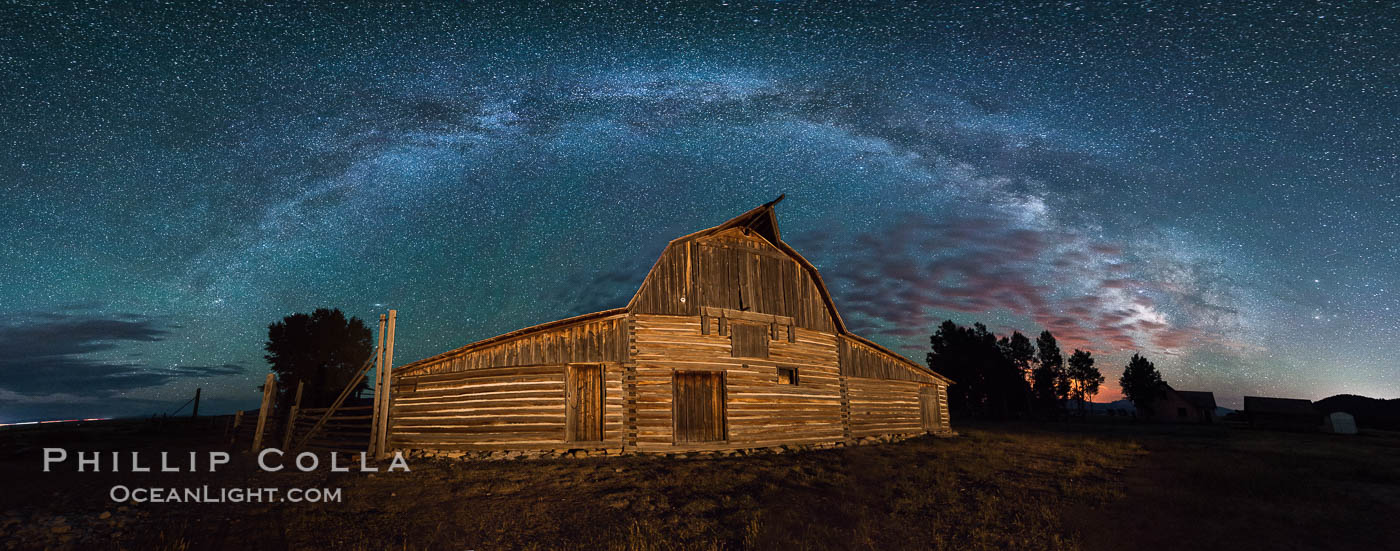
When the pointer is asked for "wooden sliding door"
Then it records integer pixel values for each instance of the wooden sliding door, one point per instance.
(698, 407)
(584, 402)
(929, 410)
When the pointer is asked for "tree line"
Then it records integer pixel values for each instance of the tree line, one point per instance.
(1013, 377)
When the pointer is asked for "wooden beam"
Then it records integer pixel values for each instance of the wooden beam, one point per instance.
(382, 436)
(233, 428)
(292, 418)
(746, 316)
(379, 389)
(269, 390)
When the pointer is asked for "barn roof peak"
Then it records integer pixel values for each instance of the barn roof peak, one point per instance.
(761, 219)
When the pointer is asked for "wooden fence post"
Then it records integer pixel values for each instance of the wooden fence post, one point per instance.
(292, 418)
(383, 399)
(377, 416)
(269, 391)
(233, 427)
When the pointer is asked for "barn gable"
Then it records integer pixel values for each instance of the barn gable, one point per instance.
(740, 265)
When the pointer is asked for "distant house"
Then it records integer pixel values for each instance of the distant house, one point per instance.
(1281, 413)
(1181, 406)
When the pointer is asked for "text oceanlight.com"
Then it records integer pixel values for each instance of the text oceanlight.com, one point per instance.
(205, 494)
(269, 460)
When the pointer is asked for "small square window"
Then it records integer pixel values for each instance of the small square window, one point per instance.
(787, 375)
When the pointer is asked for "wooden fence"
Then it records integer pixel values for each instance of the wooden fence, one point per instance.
(359, 425)
(347, 429)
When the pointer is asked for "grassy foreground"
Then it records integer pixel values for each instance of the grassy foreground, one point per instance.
(993, 487)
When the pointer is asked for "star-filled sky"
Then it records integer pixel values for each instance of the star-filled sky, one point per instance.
(1212, 185)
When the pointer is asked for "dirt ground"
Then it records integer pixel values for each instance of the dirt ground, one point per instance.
(996, 486)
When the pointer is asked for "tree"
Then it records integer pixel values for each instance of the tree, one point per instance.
(1141, 383)
(322, 349)
(1021, 353)
(949, 355)
(1085, 377)
(987, 382)
(1005, 387)
(1049, 373)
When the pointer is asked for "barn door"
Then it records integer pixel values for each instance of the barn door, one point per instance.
(584, 415)
(698, 406)
(928, 408)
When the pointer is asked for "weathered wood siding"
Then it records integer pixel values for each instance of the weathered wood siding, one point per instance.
(760, 412)
(599, 340)
(882, 406)
(494, 408)
(861, 360)
(734, 271)
(669, 288)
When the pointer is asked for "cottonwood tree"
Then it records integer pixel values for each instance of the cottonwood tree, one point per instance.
(986, 381)
(1021, 353)
(1141, 383)
(1085, 377)
(1049, 373)
(322, 349)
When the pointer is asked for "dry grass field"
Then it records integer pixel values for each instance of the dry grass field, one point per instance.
(996, 486)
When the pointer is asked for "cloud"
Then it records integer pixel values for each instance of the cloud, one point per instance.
(207, 370)
(45, 353)
(897, 283)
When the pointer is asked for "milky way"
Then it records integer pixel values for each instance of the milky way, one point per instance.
(1214, 186)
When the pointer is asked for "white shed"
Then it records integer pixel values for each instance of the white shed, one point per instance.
(1340, 422)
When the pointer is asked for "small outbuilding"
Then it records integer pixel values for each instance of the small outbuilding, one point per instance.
(1281, 413)
(1340, 422)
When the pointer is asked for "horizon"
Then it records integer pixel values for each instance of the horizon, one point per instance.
(1205, 186)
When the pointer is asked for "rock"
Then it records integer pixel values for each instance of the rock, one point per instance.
(60, 529)
(105, 515)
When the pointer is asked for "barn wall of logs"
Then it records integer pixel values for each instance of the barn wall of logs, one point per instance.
(880, 406)
(760, 411)
(502, 408)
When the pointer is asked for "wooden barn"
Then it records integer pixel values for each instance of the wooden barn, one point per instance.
(731, 342)
(1181, 406)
